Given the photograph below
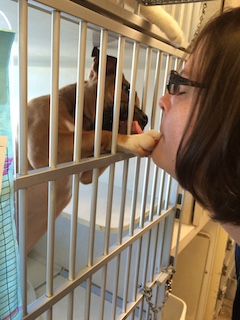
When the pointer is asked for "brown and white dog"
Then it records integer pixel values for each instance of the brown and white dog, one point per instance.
(38, 136)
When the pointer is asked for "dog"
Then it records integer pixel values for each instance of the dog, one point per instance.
(137, 143)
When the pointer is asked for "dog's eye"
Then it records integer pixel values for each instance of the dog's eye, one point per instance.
(126, 88)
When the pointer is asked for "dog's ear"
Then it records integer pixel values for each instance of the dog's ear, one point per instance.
(95, 52)
(95, 55)
(110, 66)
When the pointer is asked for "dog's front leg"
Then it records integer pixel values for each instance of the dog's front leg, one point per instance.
(88, 151)
(87, 146)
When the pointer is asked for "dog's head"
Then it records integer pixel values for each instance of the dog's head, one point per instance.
(139, 117)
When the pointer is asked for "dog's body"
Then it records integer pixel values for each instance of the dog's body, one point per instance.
(38, 136)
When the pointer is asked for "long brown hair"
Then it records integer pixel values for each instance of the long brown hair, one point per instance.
(208, 164)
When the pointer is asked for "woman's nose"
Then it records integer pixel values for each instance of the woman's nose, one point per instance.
(164, 102)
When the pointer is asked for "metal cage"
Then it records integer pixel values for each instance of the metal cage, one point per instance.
(112, 250)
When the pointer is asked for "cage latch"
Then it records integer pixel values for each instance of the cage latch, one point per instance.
(163, 277)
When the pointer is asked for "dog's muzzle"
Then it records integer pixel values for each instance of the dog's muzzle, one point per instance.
(140, 120)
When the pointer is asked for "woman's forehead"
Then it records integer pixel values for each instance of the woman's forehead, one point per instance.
(190, 69)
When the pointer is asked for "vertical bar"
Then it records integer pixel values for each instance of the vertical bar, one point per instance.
(22, 208)
(168, 185)
(107, 235)
(161, 192)
(173, 13)
(109, 208)
(22, 151)
(148, 163)
(145, 266)
(100, 91)
(82, 43)
(97, 143)
(156, 88)
(77, 142)
(167, 191)
(123, 201)
(70, 305)
(188, 26)
(133, 85)
(154, 248)
(53, 142)
(148, 59)
(137, 269)
(163, 174)
(121, 46)
(53, 130)
(134, 196)
(126, 280)
(118, 92)
(161, 228)
(153, 119)
(145, 191)
(136, 7)
(103, 289)
(87, 299)
(167, 240)
(97, 151)
(181, 15)
(115, 286)
(153, 193)
(23, 82)
(117, 101)
(77, 156)
(179, 228)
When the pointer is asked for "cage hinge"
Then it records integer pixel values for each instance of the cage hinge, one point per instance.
(177, 213)
(229, 245)
(224, 270)
(179, 198)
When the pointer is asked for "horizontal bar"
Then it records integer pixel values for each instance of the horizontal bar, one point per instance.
(46, 174)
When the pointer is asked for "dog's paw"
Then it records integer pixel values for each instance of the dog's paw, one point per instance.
(140, 144)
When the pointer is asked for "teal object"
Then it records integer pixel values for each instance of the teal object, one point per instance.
(10, 293)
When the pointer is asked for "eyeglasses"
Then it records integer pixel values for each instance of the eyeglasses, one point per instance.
(175, 81)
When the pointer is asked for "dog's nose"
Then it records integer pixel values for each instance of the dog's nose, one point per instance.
(145, 118)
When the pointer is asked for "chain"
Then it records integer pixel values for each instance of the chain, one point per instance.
(147, 293)
(200, 20)
(204, 7)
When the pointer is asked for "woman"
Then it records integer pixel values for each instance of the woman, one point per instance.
(236, 303)
(200, 142)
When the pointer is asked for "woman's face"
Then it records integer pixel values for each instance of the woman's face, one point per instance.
(175, 114)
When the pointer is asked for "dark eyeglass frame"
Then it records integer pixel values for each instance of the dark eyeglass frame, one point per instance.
(176, 80)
